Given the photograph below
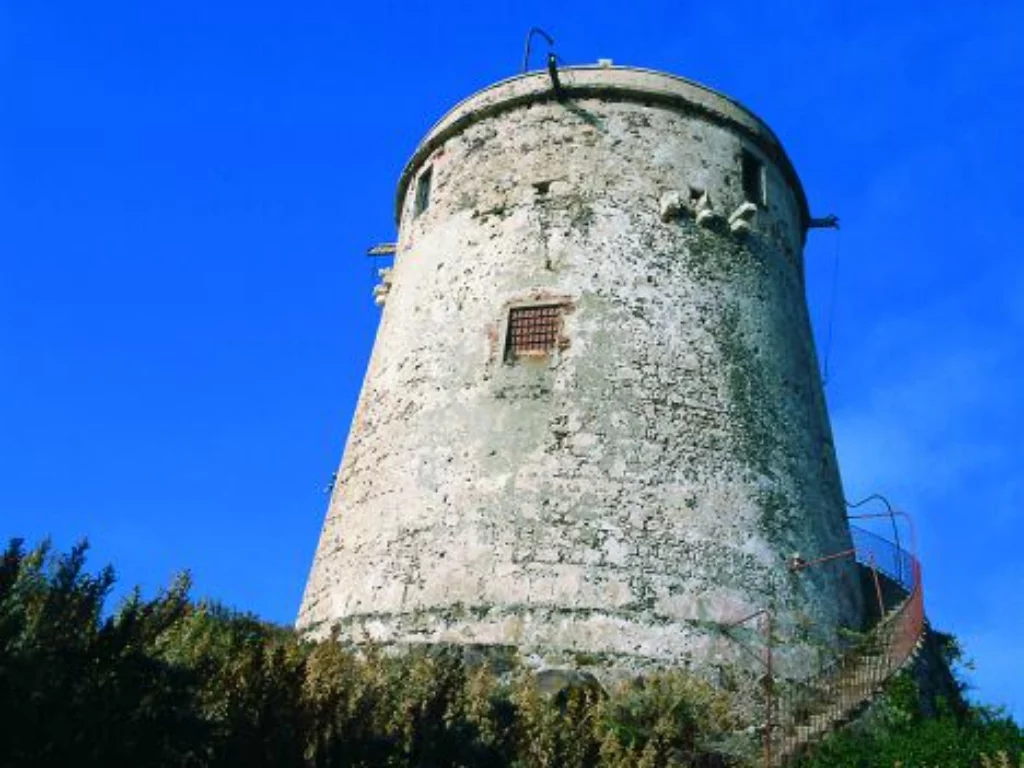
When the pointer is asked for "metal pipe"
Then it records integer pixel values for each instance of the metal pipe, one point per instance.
(742, 645)
(808, 563)
(745, 619)
(553, 73)
(824, 222)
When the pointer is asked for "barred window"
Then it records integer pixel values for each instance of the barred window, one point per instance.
(533, 331)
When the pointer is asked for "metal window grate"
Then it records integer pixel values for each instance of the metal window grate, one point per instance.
(533, 330)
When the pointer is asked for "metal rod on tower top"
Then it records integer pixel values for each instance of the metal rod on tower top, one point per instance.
(529, 42)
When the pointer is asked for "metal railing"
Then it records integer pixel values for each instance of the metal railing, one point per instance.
(801, 712)
(896, 563)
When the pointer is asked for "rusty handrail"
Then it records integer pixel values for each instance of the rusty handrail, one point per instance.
(806, 710)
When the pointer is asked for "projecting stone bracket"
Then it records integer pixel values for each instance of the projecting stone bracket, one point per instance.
(704, 212)
(741, 220)
(674, 205)
(383, 288)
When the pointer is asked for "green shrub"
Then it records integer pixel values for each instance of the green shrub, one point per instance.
(898, 734)
(171, 682)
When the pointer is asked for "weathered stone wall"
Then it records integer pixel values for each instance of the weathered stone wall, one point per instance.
(647, 481)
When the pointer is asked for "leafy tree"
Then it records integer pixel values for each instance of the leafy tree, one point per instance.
(77, 688)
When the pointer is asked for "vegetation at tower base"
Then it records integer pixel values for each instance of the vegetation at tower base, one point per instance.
(173, 682)
(896, 732)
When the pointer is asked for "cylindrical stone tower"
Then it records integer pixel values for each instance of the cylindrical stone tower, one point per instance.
(593, 421)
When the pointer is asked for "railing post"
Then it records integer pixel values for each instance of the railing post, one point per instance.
(878, 588)
(769, 692)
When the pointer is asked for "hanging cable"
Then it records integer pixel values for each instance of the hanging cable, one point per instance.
(833, 293)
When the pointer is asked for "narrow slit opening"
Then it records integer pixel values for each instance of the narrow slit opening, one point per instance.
(422, 192)
(753, 179)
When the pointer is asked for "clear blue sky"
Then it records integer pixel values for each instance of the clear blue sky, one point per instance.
(187, 189)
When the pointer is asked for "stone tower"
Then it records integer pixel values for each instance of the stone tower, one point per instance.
(593, 421)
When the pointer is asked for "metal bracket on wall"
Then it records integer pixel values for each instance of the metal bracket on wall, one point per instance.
(824, 222)
(382, 249)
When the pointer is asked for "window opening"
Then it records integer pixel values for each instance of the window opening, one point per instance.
(422, 192)
(532, 331)
(753, 179)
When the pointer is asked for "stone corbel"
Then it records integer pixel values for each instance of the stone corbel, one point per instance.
(383, 288)
(742, 219)
(706, 215)
(671, 205)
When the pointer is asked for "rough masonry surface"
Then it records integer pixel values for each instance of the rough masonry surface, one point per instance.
(645, 481)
